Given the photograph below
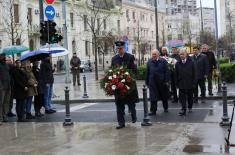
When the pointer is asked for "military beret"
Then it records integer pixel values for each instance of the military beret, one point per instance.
(119, 43)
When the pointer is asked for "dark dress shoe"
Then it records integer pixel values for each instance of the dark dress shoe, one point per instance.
(29, 116)
(166, 110)
(175, 101)
(134, 120)
(79, 84)
(5, 119)
(190, 111)
(52, 110)
(211, 94)
(10, 114)
(152, 114)
(182, 113)
(38, 114)
(120, 126)
(195, 101)
(49, 112)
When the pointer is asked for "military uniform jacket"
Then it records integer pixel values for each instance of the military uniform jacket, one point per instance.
(128, 61)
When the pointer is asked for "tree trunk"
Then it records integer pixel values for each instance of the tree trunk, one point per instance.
(96, 59)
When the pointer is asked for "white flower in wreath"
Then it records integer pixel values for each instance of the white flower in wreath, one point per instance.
(123, 80)
(110, 71)
(127, 87)
(105, 85)
(110, 78)
(114, 87)
(126, 73)
(114, 76)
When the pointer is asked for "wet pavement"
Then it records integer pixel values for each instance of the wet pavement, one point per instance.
(94, 133)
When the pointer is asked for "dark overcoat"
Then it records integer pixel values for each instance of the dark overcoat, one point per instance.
(128, 61)
(201, 66)
(20, 82)
(157, 77)
(185, 74)
(4, 76)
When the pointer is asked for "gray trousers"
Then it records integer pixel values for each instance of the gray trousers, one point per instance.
(76, 76)
(5, 96)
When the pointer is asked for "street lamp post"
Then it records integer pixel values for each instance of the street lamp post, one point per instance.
(202, 28)
(216, 47)
(67, 79)
(156, 21)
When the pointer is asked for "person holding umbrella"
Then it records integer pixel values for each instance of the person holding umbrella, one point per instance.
(20, 90)
(46, 73)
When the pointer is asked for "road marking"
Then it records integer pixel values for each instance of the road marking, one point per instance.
(111, 110)
(74, 108)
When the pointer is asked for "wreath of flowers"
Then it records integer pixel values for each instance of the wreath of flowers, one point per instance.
(171, 62)
(118, 81)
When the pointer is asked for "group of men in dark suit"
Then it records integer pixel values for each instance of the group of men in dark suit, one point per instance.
(187, 75)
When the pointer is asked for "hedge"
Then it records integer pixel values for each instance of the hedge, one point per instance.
(227, 72)
(224, 60)
(141, 72)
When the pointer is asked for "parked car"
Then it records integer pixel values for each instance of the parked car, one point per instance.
(86, 65)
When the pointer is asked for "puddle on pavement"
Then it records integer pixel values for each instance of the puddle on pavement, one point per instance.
(207, 149)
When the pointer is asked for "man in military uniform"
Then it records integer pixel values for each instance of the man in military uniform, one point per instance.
(127, 60)
(75, 63)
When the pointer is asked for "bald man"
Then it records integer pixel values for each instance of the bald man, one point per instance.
(157, 79)
(185, 81)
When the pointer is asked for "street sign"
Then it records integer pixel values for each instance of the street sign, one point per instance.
(50, 12)
(49, 1)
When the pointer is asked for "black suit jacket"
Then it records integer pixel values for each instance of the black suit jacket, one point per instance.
(201, 66)
(185, 74)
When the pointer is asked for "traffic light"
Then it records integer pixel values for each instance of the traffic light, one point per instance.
(52, 32)
(43, 32)
(48, 32)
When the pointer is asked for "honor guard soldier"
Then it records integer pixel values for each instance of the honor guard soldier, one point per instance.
(126, 60)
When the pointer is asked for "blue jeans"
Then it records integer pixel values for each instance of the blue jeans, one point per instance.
(28, 105)
(47, 96)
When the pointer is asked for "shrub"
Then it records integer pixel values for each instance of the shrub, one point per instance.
(224, 60)
(227, 72)
(141, 72)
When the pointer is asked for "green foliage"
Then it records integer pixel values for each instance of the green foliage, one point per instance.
(224, 60)
(141, 72)
(227, 72)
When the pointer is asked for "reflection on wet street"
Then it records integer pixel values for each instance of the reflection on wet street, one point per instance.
(86, 138)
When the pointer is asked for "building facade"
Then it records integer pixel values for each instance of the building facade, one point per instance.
(227, 17)
(26, 24)
(138, 24)
(182, 21)
(207, 19)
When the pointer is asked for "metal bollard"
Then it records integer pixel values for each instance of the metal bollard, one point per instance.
(225, 118)
(85, 95)
(146, 119)
(67, 120)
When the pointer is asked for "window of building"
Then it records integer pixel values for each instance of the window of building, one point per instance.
(98, 24)
(127, 14)
(118, 25)
(74, 46)
(0, 44)
(128, 30)
(18, 42)
(71, 19)
(152, 34)
(133, 15)
(87, 48)
(30, 16)
(16, 13)
(85, 22)
(31, 45)
(180, 37)
(105, 26)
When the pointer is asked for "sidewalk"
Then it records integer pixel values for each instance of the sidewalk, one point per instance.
(96, 94)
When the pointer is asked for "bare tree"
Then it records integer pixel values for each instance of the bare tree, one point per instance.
(230, 16)
(11, 21)
(95, 14)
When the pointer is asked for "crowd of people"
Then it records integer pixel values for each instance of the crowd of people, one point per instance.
(25, 82)
(166, 78)
(186, 74)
